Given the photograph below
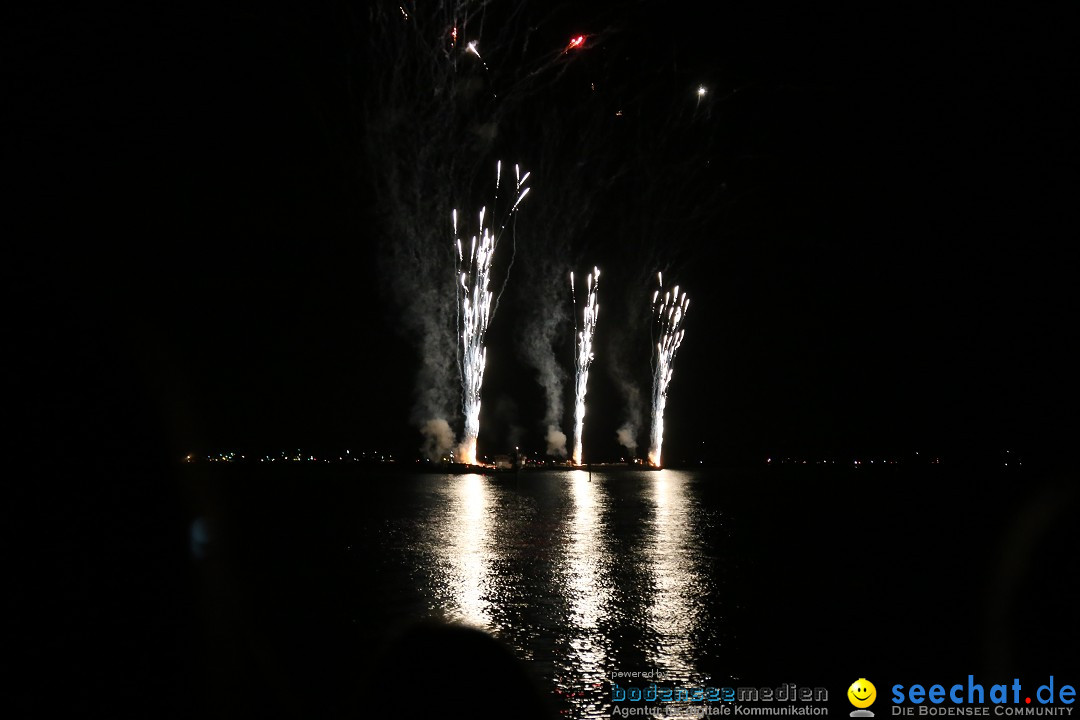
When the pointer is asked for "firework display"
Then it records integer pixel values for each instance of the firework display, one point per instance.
(476, 304)
(461, 84)
(584, 355)
(669, 313)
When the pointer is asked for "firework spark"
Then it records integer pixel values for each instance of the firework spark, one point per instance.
(476, 306)
(584, 341)
(669, 311)
(437, 112)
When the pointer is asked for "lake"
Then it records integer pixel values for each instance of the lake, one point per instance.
(807, 575)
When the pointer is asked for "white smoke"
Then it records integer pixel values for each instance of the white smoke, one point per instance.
(438, 438)
(427, 320)
(627, 437)
(542, 327)
(633, 408)
(556, 442)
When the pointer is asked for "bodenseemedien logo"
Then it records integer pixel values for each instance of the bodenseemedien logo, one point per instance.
(862, 694)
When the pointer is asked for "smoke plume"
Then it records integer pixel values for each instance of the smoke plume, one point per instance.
(556, 442)
(438, 438)
(627, 434)
(544, 326)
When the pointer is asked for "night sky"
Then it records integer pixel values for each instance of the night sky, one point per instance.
(884, 261)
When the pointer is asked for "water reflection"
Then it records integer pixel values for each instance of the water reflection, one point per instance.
(680, 584)
(587, 560)
(580, 575)
(464, 552)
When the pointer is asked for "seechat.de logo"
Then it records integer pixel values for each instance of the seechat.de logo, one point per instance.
(862, 694)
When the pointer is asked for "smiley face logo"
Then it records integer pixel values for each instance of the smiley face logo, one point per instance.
(862, 693)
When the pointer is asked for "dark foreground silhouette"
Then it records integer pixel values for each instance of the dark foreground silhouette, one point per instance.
(442, 670)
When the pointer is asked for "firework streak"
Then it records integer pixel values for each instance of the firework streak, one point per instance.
(476, 306)
(584, 354)
(669, 310)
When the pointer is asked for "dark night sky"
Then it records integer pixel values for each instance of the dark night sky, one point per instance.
(891, 268)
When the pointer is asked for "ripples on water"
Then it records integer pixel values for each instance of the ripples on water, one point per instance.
(580, 576)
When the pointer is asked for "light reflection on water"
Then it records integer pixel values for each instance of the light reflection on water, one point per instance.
(465, 553)
(581, 575)
(679, 580)
(587, 558)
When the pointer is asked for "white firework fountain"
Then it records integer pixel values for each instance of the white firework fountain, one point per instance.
(669, 311)
(476, 306)
(584, 355)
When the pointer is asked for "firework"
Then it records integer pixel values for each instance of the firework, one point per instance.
(476, 303)
(584, 354)
(669, 311)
